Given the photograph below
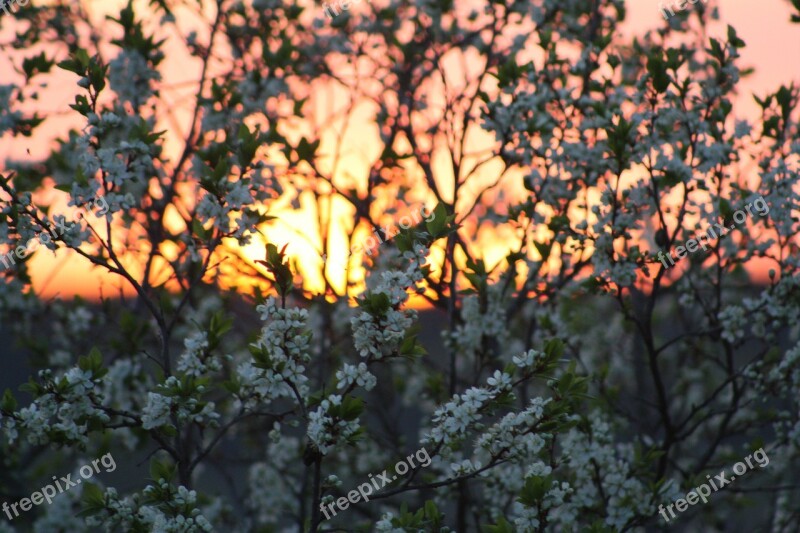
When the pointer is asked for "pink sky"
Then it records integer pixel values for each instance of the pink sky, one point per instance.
(773, 43)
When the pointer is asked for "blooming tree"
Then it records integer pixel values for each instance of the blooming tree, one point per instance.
(258, 400)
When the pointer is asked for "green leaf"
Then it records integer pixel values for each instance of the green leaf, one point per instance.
(658, 71)
(431, 511)
(534, 490)
(81, 105)
(351, 408)
(543, 249)
(554, 349)
(307, 151)
(72, 65)
(38, 64)
(376, 304)
(201, 232)
(734, 39)
(161, 470)
(8, 404)
(249, 143)
(669, 179)
(716, 50)
(32, 388)
(502, 526)
(218, 326)
(93, 363)
(437, 225)
(725, 209)
(93, 500)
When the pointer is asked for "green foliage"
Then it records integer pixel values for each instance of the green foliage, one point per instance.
(429, 518)
(93, 500)
(93, 363)
(277, 264)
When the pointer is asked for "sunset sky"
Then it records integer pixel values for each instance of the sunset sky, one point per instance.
(773, 49)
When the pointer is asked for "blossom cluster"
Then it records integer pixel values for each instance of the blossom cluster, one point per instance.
(279, 356)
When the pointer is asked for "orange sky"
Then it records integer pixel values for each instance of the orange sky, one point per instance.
(773, 49)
